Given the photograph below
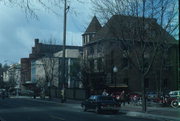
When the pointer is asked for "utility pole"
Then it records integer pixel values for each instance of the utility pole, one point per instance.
(144, 106)
(64, 49)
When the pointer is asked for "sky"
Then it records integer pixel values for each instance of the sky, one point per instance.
(17, 32)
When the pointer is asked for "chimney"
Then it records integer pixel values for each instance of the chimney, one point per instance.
(36, 41)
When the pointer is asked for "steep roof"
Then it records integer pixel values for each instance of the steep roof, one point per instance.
(94, 25)
(120, 26)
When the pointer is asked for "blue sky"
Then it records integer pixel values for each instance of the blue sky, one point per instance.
(17, 33)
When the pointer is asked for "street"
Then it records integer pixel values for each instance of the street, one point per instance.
(18, 109)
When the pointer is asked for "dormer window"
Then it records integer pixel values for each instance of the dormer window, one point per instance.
(86, 39)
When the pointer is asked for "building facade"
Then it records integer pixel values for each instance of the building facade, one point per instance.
(118, 45)
(39, 51)
(46, 72)
(13, 77)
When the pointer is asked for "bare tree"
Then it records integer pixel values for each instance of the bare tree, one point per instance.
(32, 7)
(137, 31)
(84, 77)
(48, 63)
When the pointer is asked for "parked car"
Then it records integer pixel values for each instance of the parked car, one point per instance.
(175, 93)
(101, 103)
(167, 98)
(151, 95)
(135, 94)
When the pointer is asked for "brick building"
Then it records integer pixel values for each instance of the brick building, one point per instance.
(117, 44)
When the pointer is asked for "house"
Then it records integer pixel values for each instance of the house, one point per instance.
(13, 77)
(113, 54)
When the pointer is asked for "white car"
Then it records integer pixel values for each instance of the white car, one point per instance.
(175, 93)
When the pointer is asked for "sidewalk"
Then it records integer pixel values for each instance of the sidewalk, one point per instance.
(153, 112)
(163, 113)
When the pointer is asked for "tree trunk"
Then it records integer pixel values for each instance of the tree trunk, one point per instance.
(144, 106)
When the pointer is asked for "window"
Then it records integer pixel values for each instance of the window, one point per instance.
(83, 40)
(95, 65)
(99, 64)
(125, 62)
(99, 47)
(91, 51)
(126, 81)
(146, 83)
(91, 65)
(87, 37)
(165, 83)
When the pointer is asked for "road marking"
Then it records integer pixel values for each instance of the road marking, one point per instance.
(57, 117)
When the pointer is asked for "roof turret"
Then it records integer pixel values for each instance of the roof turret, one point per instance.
(94, 26)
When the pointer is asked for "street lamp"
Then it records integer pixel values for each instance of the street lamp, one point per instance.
(115, 70)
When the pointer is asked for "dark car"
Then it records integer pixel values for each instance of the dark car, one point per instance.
(151, 95)
(101, 103)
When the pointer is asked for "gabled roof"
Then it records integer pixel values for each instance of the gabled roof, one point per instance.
(94, 26)
(120, 26)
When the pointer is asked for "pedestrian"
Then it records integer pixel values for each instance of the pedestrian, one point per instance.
(122, 97)
(104, 93)
(135, 99)
(127, 96)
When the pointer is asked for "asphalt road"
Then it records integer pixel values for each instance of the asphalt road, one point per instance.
(17, 109)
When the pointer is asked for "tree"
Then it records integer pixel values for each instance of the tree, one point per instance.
(1, 76)
(139, 35)
(84, 77)
(48, 63)
(7, 85)
(32, 7)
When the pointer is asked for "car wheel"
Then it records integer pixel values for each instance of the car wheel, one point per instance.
(174, 104)
(84, 108)
(98, 110)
